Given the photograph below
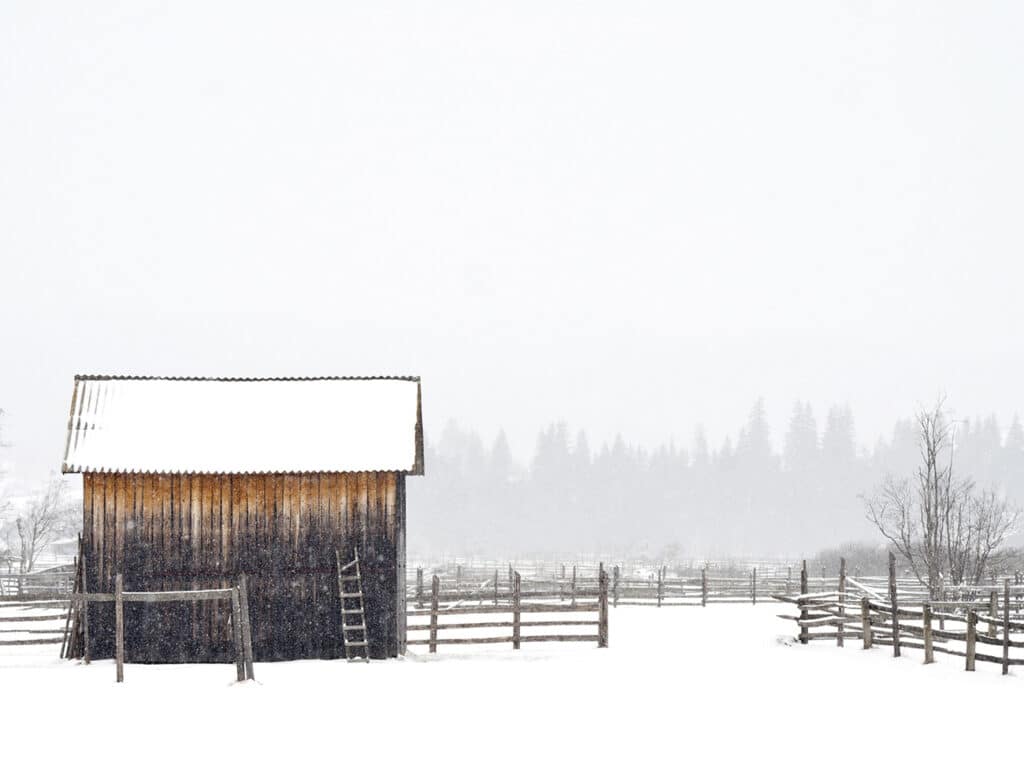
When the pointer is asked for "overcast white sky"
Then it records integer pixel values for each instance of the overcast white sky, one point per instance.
(635, 216)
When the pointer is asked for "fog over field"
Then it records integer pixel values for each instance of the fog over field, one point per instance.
(673, 274)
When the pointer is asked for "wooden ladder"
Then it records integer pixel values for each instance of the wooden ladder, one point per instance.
(353, 616)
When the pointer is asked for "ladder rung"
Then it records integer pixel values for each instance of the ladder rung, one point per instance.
(355, 628)
(355, 643)
(352, 594)
(350, 578)
(351, 610)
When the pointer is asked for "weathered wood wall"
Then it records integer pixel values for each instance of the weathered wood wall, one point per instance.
(167, 532)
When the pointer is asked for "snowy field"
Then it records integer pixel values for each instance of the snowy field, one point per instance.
(715, 686)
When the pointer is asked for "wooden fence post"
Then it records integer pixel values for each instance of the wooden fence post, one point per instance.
(243, 594)
(841, 629)
(993, 612)
(236, 633)
(458, 580)
(574, 586)
(893, 605)
(615, 585)
(419, 587)
(972, 621)
(802, 600)
(929, 655)
(495, 586)
(515, 612)
(789, 579)
(661, 586)
(1006, 627)
(753, 586)
(704, 586)
(865, 621)
(942, 598)
(435, 587)
(119, 626)
(602, 607)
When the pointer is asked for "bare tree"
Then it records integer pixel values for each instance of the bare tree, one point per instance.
(47, 517)
(938, 522)
(7, 546)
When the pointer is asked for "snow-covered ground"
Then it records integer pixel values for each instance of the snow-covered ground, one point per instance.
(723, 685)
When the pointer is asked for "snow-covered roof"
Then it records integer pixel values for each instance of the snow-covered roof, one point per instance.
(234, 426)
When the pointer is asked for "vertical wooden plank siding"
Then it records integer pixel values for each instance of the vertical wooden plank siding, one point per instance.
(166, 532)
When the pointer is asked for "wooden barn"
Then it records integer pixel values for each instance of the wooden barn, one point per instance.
(190, 482)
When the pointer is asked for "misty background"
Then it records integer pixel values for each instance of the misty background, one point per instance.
(634, 219)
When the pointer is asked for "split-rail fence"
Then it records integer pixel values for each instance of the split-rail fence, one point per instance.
(504, 612)
(979, 623)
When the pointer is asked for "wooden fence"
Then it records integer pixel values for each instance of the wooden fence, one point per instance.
(48, 584)
(956, 622)
(657, 589)
(537, 603)
(26, 619)
(240, 627)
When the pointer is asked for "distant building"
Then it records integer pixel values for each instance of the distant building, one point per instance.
(190, 482)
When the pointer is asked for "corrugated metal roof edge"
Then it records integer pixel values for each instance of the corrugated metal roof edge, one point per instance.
(119, 377)
(78, 469)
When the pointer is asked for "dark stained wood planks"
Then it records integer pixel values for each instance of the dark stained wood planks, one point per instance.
(167, 532)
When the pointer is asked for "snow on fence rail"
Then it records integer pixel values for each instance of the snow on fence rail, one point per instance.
(540, 604)
(954, 627)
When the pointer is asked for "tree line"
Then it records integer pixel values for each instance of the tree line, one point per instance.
(752, 494)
